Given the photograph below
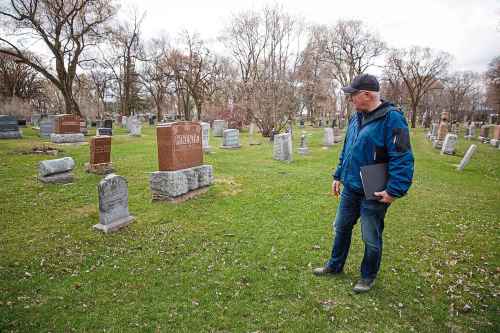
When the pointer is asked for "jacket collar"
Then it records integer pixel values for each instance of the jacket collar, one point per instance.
(379, 112)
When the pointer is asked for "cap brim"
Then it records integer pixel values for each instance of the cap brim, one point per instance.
(349, 90)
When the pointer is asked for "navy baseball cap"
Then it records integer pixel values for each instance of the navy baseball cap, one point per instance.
(362, 82)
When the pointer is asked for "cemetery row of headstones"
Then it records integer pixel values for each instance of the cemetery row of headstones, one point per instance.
(447, 142)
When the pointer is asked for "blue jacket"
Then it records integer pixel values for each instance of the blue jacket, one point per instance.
(381, 136)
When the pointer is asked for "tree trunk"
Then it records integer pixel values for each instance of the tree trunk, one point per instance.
(70, 104)
(413, 115)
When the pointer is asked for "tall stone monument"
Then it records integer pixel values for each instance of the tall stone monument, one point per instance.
(67, 129)
(9, 129)
(231, 139)
(282, 149)
(113, 204)
(181, 174)
(100, 156)
(442, 131)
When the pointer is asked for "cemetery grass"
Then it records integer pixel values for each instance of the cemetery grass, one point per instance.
(239, 257)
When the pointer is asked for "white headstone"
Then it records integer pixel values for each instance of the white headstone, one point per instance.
(135, 126)
(251, 134)
(124, 121)
(467, 157)
(113, 204)
(231, 139)
(218, 127)
(328, 137)
(449, 144)
(205, 136)
(282, 150)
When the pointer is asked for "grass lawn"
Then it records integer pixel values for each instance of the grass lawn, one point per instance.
(239, 258)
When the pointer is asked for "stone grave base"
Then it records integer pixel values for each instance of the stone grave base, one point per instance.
(11, 135)
(230, 147)
(483, 139)
(99, 169)
(448, 152)
(115, 226)
(337, 139)
(303, 151)
(180, 185)
(495, 142)
(67, 138)
(59, 178)
(180, 198)
(438, 144)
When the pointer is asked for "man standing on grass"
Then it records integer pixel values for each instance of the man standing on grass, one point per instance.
(377, 133)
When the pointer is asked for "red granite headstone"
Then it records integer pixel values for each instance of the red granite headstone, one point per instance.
(100, 150)
(67, 124)
(179, 145)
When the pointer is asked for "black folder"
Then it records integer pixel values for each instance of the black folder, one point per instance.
(374, 179)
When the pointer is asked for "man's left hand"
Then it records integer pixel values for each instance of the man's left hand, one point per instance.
(384, 197)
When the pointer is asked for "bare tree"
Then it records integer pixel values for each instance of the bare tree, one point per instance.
(419, 68)
(65, 27)
(156, 76)
(266, 48)
(459, 89)
(101, 80)
(350, 48)
(493, 84)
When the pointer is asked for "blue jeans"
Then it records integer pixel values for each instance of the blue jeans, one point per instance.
(352, 206)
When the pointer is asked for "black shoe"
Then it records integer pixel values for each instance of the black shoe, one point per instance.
(324, 271)
(363, 285)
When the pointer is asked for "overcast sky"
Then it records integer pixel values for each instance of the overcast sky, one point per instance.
(467, 29)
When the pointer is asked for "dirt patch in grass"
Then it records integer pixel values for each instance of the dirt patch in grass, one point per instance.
(36, 150)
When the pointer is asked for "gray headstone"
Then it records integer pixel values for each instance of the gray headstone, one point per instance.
(113, 204)
(218, 127)
(104, 131)
(231, 139)
(282, 149)
(328, 137)
(467, 157)
(303, 149)
(67, 138)
(9, 129)
(449, 144)
(35, 119)
(124, 121)
(205, 136)
(51, 167)
(46, 127)
(134, 126)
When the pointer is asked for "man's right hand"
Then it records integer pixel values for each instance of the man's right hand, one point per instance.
(336, 187)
